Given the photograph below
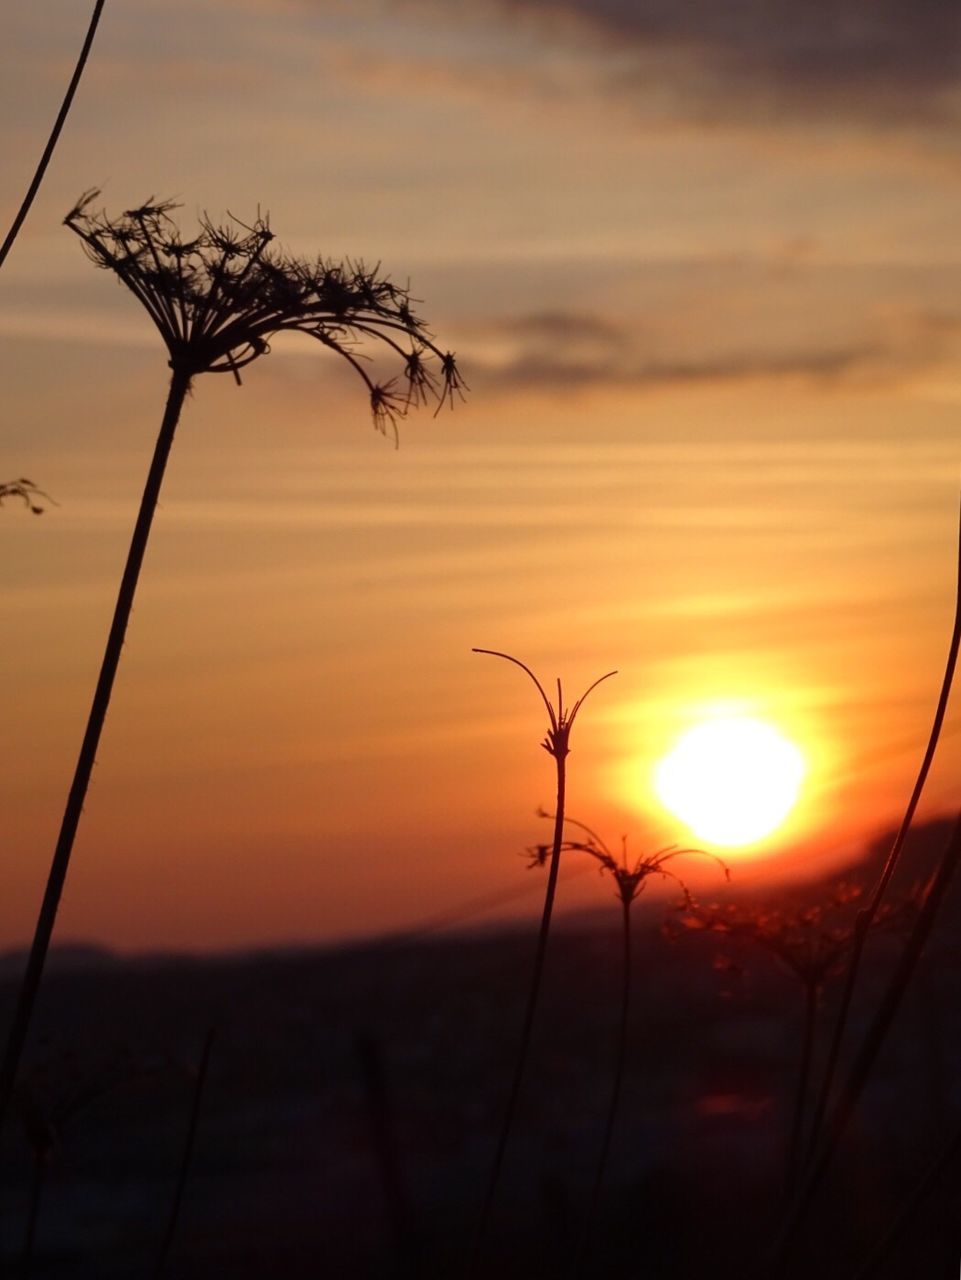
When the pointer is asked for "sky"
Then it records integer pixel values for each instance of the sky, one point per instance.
(700, 265)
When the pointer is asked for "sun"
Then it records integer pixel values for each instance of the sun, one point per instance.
(732, 780)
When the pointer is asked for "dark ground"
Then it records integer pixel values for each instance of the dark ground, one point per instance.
(353, 1099)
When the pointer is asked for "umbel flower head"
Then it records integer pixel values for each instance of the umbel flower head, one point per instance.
(219, 299)
(812, 941)
(629, 876)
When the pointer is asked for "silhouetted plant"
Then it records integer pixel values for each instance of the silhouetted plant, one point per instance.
(55, 132)
(826, 1131)
(57, 1089)
(557, 745)
(813, 943)
(29, 494)
(217, 300)
(868, 913)
(862, 1065)
(186, 1159)
(629, 879)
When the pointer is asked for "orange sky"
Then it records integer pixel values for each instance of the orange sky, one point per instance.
(705, 296)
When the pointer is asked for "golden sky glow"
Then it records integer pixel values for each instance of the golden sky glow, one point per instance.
(708, 313)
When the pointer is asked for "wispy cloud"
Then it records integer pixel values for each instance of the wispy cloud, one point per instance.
(566, 349)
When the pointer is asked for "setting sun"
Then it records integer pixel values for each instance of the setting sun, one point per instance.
(732, 780)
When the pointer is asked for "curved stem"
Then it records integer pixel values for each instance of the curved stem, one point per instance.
(868, 914)
(179, 385)
(871, 1044)
(54, 135)
(532, 998)
(621, 1055)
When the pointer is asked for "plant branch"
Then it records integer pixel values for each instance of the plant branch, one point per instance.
(179, 385)
(41, 169)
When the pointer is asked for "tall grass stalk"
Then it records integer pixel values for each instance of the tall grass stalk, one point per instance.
(55, 132)
(874, 1038)
(187, 1156)
(217, 300)
(557, 745)
(870, 911)
(629, 879)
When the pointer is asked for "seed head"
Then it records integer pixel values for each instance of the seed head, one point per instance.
(218, 299)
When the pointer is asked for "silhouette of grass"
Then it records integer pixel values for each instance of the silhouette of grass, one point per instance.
(55, 132)
(813, 943)
(557, 745)
(217, 300)
(630, 879)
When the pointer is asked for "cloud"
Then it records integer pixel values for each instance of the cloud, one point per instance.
(568, 349)
(876, 61)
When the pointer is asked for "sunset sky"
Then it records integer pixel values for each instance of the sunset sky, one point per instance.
(701, 265)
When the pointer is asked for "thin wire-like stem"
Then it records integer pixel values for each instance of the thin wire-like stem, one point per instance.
(587, 1231)
(811, 993)
(30, 984)
(186, 1159)
(557, 745)
(871, 1045)
(532, 999)
(48, 150)
(869, 912)
(38, 1176)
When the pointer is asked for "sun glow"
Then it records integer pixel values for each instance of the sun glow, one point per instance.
(732, 780)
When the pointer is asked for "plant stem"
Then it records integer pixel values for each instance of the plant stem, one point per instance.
(867, 915)
(621, 1055)
(873, 1040)
(811, 992)
(187, 1157)
(530, 1010)
(179, 385)
(37, 1179)
(54, 135)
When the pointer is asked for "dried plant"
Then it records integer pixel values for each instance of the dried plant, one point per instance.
(629, 877)
(557, 745)
(29, 494)
(813, 942)
(54, 137)
(217, 300)
(869, 912)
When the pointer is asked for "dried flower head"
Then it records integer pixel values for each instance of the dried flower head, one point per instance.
(813, 941)
(219, 298)
(629, 877)
(29, 494)
(557, 740)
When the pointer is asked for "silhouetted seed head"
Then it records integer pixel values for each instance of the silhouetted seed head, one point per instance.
(28, 493)
(557, 741)
(629, 877)
(812, 941)
(220, 298)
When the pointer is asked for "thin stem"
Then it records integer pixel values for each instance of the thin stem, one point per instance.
(811, 991)
(532, 998)
(620, 1059)
(37, 1179)
(54, 135)
(867, 914)
(187, 1157)
(179, 385)
(873, 1040)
